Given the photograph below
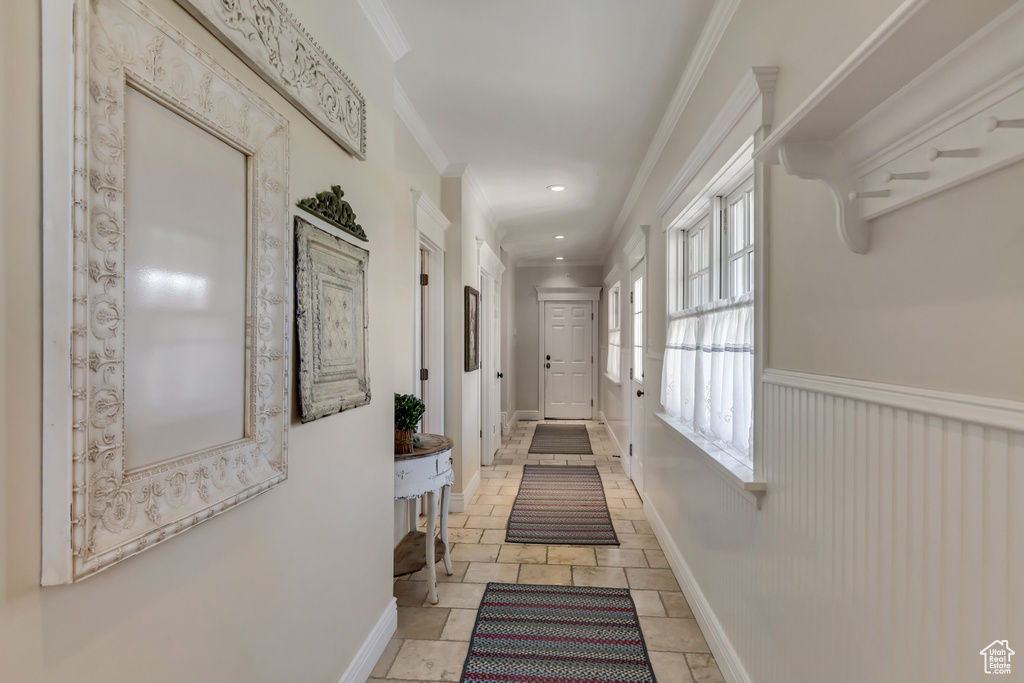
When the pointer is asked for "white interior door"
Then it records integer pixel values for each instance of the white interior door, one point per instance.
(490, 352)
(638, 333)
(568, 359)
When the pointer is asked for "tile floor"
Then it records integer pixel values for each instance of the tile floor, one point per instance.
(432, 640)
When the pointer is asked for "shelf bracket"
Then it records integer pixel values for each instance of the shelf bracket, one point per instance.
(820, 161)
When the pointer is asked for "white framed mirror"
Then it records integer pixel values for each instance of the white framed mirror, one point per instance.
(176, 306)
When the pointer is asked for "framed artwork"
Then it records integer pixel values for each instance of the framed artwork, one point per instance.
(265, 35)
(331, 317)
(472, 329)
(177, 297)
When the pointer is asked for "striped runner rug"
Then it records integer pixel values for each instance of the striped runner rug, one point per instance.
(560, 505)
(571, 439)
(554, 634)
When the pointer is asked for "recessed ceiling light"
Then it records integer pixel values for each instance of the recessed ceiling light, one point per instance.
(559, 237)
(558, 258)
(556, 188)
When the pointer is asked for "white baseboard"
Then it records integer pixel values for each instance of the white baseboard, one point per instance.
(615, 441)
(725, 654)
(509, 422)
(359, 669)
(527, 415)
(461, 499)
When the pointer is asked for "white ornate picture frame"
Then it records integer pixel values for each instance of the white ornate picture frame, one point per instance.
(333, 322)
(97, 511)
(265, 35)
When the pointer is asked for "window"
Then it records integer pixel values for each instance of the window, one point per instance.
(708, 381)
(738, 232)
(614, 333)
(638, 330)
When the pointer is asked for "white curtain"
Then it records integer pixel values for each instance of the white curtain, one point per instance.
(614, 353)
(708, 381)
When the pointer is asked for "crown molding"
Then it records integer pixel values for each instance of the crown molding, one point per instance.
(472, 183)
(714, 29)
(757, 83)
(419, 130)
(421, 201)
(384, 23)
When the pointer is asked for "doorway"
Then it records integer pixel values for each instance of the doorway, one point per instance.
(567, 369)
(491, 269)
(636, 375)
(490, 380)
(428, 345)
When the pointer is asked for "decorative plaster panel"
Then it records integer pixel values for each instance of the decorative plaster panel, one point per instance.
(330, 279)
(265, 35)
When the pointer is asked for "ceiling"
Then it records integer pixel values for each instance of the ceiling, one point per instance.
(532, 93)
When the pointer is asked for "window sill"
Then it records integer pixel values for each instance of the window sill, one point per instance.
(736, 473)
(616, 382)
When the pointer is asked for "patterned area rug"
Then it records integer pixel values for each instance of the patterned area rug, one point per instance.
(550, 634)
(561, 505)
(572, 439)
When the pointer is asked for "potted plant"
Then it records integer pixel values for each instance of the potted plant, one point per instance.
(408, 411)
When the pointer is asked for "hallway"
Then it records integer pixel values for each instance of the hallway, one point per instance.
(432, 640)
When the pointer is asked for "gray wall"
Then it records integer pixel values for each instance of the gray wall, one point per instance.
(527, 335)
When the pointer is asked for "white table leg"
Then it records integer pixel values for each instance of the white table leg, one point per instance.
(431, 530)
(446, 494)
(410, 513)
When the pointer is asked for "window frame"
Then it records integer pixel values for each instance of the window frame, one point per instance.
(614, 325)
(740, 171)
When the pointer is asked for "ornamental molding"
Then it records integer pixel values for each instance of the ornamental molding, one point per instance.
(265, 35)
(97, 511)
(386, 26)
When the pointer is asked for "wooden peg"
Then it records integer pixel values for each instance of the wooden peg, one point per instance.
(952, 153)
(916, 175)
(994, 123)
(870, 195)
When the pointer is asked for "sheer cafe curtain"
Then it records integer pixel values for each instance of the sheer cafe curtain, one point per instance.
(614, 357)
(708, 381)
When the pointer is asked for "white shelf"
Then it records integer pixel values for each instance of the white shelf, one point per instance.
(932, 77)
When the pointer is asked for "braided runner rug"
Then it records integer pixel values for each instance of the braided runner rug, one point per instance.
(560, 505)
(561, 439)
(551, 634)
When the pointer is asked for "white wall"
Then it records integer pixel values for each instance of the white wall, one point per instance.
(886, 547)
(470, 223)
(413, 171)
(528, 278)
(316, 549)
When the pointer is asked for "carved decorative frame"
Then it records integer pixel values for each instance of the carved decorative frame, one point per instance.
(333, 322)
(472, 329)
(265, 35)
(116, 512)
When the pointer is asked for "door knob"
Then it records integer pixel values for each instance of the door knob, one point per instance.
(639, 393)
(547, 365)
(500, 375)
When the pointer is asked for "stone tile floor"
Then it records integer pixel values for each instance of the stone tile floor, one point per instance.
(432, 640)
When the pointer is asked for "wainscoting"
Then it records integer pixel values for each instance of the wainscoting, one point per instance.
(888, 547)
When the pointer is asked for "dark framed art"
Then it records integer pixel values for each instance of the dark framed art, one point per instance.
(472, 329)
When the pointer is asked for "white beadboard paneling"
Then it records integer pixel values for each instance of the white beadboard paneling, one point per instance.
(887, 547)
